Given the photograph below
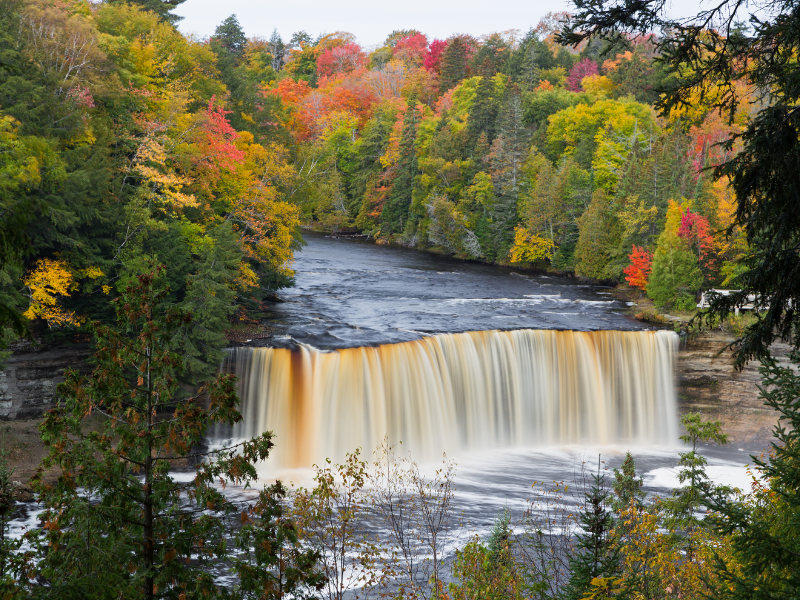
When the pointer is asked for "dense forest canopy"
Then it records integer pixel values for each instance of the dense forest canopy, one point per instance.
(125, 140)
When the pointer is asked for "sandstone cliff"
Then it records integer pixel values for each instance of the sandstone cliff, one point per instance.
(28, 383)
(708, 384)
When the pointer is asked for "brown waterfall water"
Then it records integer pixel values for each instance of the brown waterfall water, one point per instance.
(461, 392)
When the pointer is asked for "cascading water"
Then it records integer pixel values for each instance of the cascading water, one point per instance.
(461, 391)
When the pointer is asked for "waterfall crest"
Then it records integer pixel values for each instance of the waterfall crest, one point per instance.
(460, 391)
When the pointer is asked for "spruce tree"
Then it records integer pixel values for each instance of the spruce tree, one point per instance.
(483, 113)
(688, 499)
(453, 64)
(230, 36)
(395, 211)
(511, 147)
(274, 562)
(627, 487)
(595, 554)
(210, 298)
(763, 527)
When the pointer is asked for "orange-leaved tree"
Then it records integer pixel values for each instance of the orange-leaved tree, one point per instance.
(638, 272)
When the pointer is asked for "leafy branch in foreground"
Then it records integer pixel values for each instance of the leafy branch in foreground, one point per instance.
(718, 59)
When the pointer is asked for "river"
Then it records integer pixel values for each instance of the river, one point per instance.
(356, 293)
(373, 303)
(353, 293)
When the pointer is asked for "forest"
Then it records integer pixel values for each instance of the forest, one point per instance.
(125, 140)
(155, 187)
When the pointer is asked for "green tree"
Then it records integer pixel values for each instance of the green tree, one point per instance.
(626, 486)
(483, 113)
(509, 151)
(526, 62)
(763, 526)
(453, 63)
(395, 211)
(488, 570)
(230, 36)
(595, 554)
(688, 499)
(676, 274)
(274, 562)
(117, 522)
(210, 299)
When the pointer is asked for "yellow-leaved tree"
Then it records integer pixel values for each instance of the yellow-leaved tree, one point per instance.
(47, 282)
(529, 247)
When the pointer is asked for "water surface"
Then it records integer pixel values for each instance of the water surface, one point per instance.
(356, 293)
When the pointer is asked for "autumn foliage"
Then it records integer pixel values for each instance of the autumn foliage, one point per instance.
(638, 272)
(695, 229)
(340, 59)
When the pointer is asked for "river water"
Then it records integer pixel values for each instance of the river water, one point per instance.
(351, 293)
(356, 293)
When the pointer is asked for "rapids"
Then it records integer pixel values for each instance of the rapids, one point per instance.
(354, 293)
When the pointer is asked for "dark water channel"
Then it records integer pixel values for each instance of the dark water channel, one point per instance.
(356, 293)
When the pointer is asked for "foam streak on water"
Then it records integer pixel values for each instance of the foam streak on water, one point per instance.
(465, 391)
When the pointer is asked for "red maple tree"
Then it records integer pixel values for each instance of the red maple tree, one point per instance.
(638, 272)
(341, 59)
(581, 69)
(695, 229)
(412, 49)
(434, 56)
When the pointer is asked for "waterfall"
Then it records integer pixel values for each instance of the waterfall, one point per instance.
(461, 391)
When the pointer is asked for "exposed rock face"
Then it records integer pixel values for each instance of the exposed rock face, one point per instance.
(28, 383)
(708, 384)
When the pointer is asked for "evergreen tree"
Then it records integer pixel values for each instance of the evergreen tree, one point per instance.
(395, 211)
(483, 113)
(688, 499)
(118, 523)
(453, 64)
(274, 562)
(507, 157)
(210, 298)
(627, 487)
(763, 527)
(488, 571)
(364, 162)
(595, 554)
(230, 36)
(491, 57)
(529, 60)
(676, 274)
